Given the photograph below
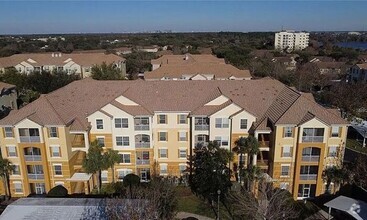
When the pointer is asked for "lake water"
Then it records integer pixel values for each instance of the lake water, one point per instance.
(355, 45)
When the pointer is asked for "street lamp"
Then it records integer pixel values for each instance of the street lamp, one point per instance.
(218, 201)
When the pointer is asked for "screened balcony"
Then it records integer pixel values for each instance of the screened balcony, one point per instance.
(141, 123)
(28, 135)
(313, 135)
(201, 139)
(309, 172)
(201, 123)
(35, 172)
(142, 141)
(32, 154)
(142, 158)
(311, 154)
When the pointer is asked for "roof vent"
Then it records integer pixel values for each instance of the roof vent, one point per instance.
(186, 57)
(53, 55)
(60, 54)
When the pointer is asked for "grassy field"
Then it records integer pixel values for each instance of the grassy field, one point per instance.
(188, 202)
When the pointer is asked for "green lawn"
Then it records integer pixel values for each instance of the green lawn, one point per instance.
(355, 145)
(188, 202)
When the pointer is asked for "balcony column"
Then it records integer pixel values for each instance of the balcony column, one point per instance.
(254, 159)
(86, 140)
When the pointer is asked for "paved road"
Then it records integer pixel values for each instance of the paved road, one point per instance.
(182, 215)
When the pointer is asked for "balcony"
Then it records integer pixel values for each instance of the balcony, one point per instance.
(308, 177)
(141, 127)
(142, 162)
(33, 176)
(311, 158)
(142, 145)
(32, 158)
(202, 127)
(29, 139)
(313, 139)
(78, 141)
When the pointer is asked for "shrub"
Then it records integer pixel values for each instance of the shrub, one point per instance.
(58, 191)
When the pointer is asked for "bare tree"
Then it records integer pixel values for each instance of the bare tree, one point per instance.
(268, 203)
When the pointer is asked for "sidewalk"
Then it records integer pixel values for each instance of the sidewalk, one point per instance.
(182, 215)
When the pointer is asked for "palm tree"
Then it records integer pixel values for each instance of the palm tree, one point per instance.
(240, 150)
(110, 158)
(250, 175)
(252, 146)
(93, 162)
(6, 168)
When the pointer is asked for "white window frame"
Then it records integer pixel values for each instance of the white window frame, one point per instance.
(221, 140)
(7, 132)
(180, 167)
(281, 170)
(287, 132)
(99, 124)
(104, 176)
(161, 168)
(166, 136)
(182, 138)
(18, 190)
(333, 147)
(162, 120)
(121, 123)
(241, 123)
(15, 151)
(337, 131)
(284, 153)
(284, 185)
(52, 150)
(51, 133)
(123, 159)
(19, 172)
(54, 167)
(221, 123)
(181, 155)
(98, 138)
(124, 142)
(160, 153)
(182, 119)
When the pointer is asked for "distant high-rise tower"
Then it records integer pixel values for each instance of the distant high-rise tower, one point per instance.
(291, 40)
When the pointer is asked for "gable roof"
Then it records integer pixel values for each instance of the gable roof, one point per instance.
(41, 59)
(264, 98)
(175, 66)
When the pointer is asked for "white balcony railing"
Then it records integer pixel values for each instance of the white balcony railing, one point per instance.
(32, 157)
(313, 139)
(141, 127)
(202, 127)
(311, 158)
(29, 139)
(308, 177)
(36, 176)
(142, 162)
(142, 145)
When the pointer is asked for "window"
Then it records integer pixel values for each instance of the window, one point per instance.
(122, 173)
(182, 119)
(141, 123)
(99, 123)
(221, 122)
(123, 141)
(288, 132)
(121, 123)
(182, 136)
(241, 159)
(18, 187)
(100, 141)
(313, 135)
(285, 170)
(334, 131)
(222, 141)
(306, 190)
(201, 123)
(162, 119)
(163, 168)
(182, 153)
(8, 132)
(57, 169)
(125, 158)
(16, 170)
(29, 135)
(52, 131)
(284, 185)
(12, 151)
(182, 168)
(243, 124)
(104, 176)
(163, 136)
(286, 151)
(333, 151)
(55, 152)
(163, 153)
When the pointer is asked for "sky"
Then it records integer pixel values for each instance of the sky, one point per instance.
(57, 17)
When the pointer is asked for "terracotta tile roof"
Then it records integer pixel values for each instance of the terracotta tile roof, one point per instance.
(210, 109)
(41, 59)
(329, 65)
(6, 86)
(175, 66)
(362, 66)
(264, 98)
(131, 109)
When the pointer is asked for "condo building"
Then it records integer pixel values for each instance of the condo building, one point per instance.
(290, 40)
(154, 125)
(194, 67)
(74, 63)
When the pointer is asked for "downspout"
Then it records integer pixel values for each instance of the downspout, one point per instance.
(230, 148)
(191, 151)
